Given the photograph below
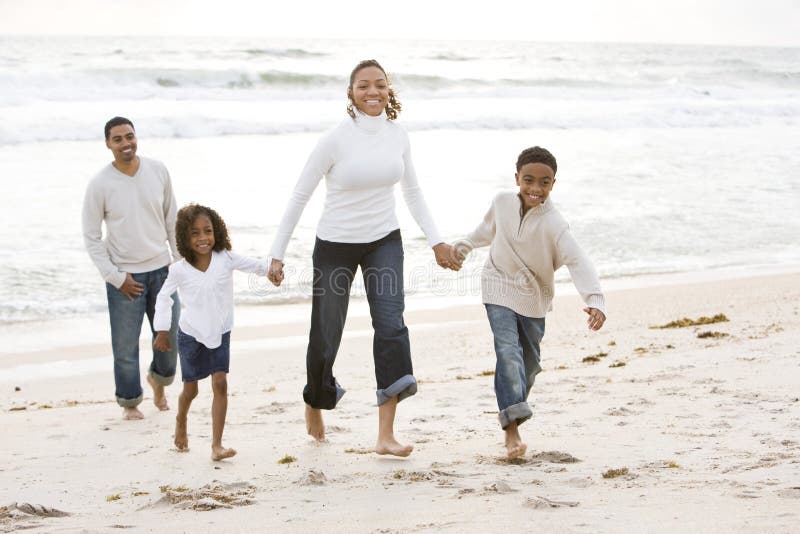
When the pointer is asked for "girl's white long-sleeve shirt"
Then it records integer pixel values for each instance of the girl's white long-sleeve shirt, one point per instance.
(206, 297)
(361, 159)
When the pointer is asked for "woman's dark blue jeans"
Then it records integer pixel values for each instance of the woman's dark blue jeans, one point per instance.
(335, 266)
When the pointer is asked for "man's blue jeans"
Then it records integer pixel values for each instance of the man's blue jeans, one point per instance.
(335, 267)
(126, 326)
(516, 344)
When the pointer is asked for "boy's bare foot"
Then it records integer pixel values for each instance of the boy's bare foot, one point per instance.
(132, 413)
(218, 452)
(514, 444)
(181, 436)
(314, 423)
(391, 446)
(159, 399)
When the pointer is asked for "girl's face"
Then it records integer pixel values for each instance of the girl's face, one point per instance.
(201, 236)
(370, 91)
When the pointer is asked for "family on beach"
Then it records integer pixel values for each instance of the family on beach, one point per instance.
(189, 302)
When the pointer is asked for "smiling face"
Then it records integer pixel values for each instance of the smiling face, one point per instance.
(122, 143)
(370, 91)
(535, 181)
(201, 236)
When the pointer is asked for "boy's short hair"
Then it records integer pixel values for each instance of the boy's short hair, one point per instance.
(116, 121)
(537, 154)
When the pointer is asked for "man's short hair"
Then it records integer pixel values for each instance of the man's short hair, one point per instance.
(116, 121)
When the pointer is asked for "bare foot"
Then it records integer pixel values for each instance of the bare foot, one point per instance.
(514, 444)
(132, 413)
(314, 423)
(181, 436)
(516, 450)
(218, 452)
(159, 399)
(391, 446)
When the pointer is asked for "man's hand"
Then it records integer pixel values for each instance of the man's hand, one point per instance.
(596, 318)
(130, 287)
(162, 341)
(275, 273)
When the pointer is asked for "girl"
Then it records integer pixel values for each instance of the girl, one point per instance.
(361, 159)
(204, 278)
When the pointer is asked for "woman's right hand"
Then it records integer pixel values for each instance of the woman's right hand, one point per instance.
(275, 274)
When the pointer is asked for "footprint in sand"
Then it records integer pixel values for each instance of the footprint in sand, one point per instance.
(313, 478)
(208, 497)
(539, 503)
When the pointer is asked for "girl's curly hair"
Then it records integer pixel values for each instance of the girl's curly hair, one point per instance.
(392, 108)
(183, 230)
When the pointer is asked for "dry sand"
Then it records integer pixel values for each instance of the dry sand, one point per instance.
(703, 432)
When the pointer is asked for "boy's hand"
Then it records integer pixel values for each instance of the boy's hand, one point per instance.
(596, 318)
(275, 273)
(446, 256)
(162, 341)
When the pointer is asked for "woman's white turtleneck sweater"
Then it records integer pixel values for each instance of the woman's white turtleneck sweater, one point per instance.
(362, 159)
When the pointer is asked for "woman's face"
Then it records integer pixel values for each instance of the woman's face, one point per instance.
(370, 91)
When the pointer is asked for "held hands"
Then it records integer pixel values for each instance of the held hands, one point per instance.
(596, 318)
(162, 341)
(275, 273)
(130, 287)
(447, 257)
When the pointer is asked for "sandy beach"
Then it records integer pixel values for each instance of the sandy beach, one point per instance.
(635, 428)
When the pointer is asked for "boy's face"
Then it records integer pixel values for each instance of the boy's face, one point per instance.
(535, 181)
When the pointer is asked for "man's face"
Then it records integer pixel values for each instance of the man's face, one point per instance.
(122, 143)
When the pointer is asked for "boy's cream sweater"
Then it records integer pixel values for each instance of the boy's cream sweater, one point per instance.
(525, 254)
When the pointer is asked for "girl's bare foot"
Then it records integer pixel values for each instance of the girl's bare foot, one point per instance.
(131, 413)
(218, 452)
(159, 399)
(314, 423)
(514, 444)
(181, 436)
(391, 446)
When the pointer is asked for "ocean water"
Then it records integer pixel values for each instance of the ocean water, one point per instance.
(671, 158)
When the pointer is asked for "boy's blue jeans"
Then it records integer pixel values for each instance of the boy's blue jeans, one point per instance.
(126, 326)
(335, 267)
(516, 344)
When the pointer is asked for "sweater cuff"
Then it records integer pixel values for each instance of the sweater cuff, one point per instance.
(116, 279)
(597, 301)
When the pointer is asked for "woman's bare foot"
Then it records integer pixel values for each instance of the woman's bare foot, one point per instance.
(391, 446)
(314, 423)
(514, 444)
(218, 452)
(159, 399)
(131, 413)
(181, 436)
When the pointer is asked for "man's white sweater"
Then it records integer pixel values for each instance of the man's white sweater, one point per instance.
(525, 253)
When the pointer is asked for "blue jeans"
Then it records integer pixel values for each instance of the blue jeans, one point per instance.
(126, 326)
(516, 344)
(335, 267)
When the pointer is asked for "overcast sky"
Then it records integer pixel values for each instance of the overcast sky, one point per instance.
(738, 22)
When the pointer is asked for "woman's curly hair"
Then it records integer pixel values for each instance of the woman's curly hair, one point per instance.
(392, 108)
(183, 230)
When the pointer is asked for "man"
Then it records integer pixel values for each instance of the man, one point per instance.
(133, 196)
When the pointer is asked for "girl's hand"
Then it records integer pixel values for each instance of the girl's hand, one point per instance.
(446, 256)
(596, 318)
(162, 341)
(275, 274)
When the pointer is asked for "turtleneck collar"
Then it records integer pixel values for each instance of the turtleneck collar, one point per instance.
(370, 124)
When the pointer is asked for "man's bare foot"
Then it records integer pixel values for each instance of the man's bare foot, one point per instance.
(132, 413)
(181, 436)
(514, 444)
(218, 452)
(391, 446)
(159, 399)
(314, 423)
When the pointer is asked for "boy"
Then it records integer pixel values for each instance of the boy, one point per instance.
(529, 241)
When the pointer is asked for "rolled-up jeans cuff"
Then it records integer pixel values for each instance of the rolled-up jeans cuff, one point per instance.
(402, 388)
(130, 403)
(519, 412)
(161, 380)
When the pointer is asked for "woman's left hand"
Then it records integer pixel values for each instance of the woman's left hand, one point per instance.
(446, 256)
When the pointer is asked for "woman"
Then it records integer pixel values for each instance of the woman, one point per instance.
(362, 159)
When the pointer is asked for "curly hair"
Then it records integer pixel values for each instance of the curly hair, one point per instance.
(183, 230)
(392, 108)
(537, 154)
